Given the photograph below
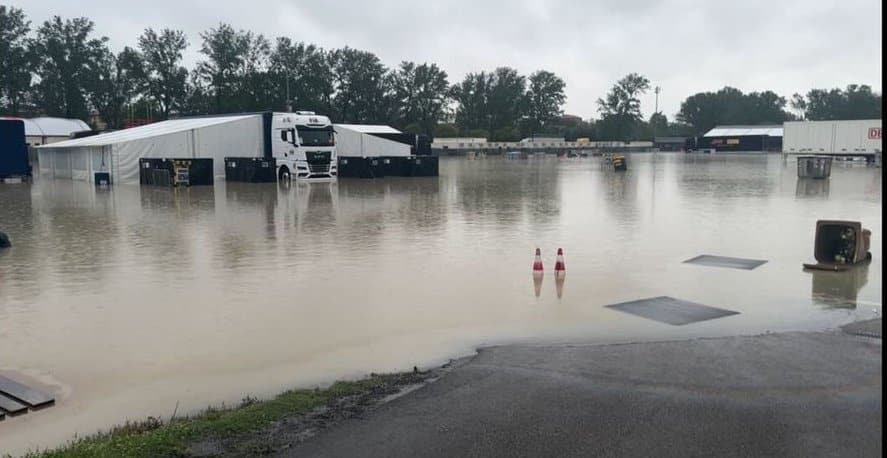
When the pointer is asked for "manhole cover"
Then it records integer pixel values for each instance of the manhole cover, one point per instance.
(671, 311)
(725, 261)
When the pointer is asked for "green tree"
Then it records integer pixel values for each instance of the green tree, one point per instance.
(545, 97)
(362, 85)
(226, 50)
(658, 124)
(301, 77)
(471, 97)
(420, 92)
(112, 84)
(621, 109)
(254, 88)
(445, 130)
(506, 103)
(15, 60)
(854, 102)
(67, 51)
(728, 105)
(164, 77)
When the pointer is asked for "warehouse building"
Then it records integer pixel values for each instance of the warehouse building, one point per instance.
(741, 139)
(118, 153)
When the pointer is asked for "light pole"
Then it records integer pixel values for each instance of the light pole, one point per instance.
(653, 118)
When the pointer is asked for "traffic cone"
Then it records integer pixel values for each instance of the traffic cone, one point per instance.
(559, 267)
(537, 263)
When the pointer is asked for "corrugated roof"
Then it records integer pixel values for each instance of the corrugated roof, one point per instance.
(51, 127)
(369, 128)
(739, 131)
(146, 131)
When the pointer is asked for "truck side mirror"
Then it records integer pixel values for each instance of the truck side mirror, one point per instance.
(291, 133)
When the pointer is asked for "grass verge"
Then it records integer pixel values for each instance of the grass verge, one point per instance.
(156, 438)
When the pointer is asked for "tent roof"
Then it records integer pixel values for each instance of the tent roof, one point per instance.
(369, 128)
(739, 131)
(146, 131)
(51, 127)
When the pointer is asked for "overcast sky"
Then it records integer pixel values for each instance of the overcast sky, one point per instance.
(681, 45)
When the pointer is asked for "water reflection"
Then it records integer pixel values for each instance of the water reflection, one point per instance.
(186, 201)
(812, 187)
(839, 289)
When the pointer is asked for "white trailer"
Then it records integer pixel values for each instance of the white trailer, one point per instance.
(835, 138)
(359, 140)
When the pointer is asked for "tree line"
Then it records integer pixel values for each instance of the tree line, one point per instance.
(61, 68)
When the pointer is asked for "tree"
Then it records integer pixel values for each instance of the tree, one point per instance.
(112, 84)
(544, 97)
(164, 77)
(506, 103)
(728, 105)
(855, 102)
(363, 87)
(225, 50)
(301, 76)
(15, 60)
(66, 53)
(472, 95)
(621, 109)
(420, 92)
(254, 89)
(798, 105)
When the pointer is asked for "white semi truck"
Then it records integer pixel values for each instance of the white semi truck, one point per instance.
(304, 146)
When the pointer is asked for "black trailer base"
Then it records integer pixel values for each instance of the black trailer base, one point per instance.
(388, 166)
(250, 169)
(176, 172)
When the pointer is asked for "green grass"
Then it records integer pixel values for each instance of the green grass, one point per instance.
(153, 437)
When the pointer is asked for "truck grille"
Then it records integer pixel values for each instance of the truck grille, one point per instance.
(319, 169)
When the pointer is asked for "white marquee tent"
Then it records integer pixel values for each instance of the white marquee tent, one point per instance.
(119, 152)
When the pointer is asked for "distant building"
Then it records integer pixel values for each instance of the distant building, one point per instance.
(542, 139)
(457, 142)
(742, 139)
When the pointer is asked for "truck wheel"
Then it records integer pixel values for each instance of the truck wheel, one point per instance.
(283, 174)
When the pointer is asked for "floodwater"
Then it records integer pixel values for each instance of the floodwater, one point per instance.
(126, 302)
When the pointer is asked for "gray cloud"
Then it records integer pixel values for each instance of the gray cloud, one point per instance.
(683, 46)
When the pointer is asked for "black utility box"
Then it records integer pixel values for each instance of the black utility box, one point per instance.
(250, 169)
(176, 172)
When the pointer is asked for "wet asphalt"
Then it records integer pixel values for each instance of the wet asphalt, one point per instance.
(793, 394)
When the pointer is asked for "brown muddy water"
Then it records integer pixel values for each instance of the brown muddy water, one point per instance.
(126, 301)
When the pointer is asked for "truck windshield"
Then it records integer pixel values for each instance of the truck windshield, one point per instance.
(315, 137)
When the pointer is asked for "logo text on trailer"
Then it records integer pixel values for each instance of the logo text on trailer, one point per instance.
(874, 133)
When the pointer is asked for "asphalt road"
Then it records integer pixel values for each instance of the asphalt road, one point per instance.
(795, 394)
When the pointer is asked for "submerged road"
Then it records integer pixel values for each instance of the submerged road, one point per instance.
(793, 394)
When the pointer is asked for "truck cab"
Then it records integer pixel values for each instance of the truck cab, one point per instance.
(303, 145)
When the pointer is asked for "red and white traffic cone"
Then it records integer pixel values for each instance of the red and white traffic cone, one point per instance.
(538, 272)
(559, 267)
(537, 263)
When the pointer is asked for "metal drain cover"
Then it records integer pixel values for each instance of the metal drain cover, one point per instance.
(725, 261)
(671, 311)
